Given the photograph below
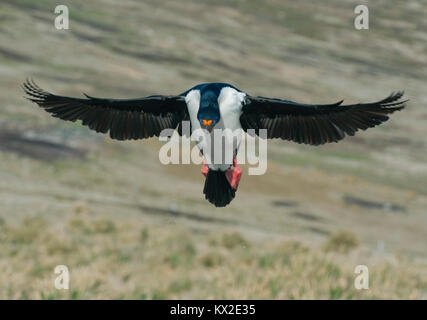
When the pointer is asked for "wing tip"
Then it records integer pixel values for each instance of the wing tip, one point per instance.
(34, 93)
(392, 102)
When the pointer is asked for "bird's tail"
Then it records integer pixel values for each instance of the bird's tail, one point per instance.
(217, 189)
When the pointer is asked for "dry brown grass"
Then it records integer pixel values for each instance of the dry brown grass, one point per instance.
(111, 258)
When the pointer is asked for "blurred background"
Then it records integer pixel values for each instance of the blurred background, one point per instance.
(128, 227)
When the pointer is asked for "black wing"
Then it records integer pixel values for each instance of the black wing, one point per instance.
(315, 124)
(124, 118)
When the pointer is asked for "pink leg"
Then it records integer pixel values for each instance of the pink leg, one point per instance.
(234, 174)
(205, 168)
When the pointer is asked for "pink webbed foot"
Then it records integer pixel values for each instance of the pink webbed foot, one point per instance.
(205, 169)
(234, 174)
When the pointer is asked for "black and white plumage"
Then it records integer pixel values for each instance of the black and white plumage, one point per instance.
(316, 124)
(124, 119)
(222, 106)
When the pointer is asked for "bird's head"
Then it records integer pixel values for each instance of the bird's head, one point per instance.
(208, 114)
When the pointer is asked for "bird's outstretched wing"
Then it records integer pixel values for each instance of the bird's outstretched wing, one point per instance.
(125, 119)
(315, 124)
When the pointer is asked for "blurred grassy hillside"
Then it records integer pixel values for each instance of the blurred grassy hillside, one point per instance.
(128, 227)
